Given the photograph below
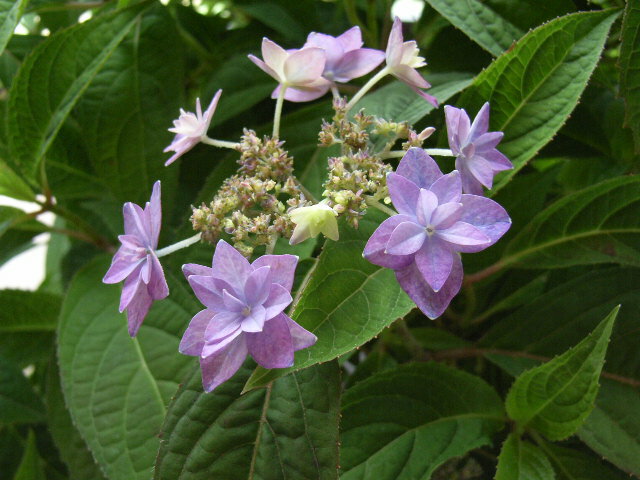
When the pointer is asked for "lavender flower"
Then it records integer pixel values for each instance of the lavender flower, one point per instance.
(191, 128)
(475, 148)
(244, 314)
(402, 61)
(346, 59)
(136, 262)
(299, 71)
(435, 222)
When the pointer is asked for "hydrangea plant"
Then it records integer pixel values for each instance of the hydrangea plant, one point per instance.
(360, 266)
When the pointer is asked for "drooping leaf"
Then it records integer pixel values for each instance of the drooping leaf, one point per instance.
(117, 388)
(598, 224)
(18, 402)
(25, 311)
(521, 460)
(287, 430)
(10, 13)
(346, 302)
(533, 87)
(556, 397)
(630, 69)
(17, 230)
(480, 22)
(402, 424)
(571, 464)
(12, 185)
(30, 467)
(52, 79)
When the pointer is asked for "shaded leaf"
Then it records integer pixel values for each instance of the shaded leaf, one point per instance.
(30, 467)
(571, 464)
(25, 311)
(520, 460)
(18, 402)
(630, 69)
(10, 14)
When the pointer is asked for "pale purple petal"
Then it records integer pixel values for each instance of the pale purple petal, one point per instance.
(394, 44)
(419, 168)
(480, 169)
(301, 338)
(283, 268)
(356, 63)
(410, 76)
(488, 141)
(221, 326)
(220, 367)
(374, 250)
(433, 304)
(254, 322)
(193, 338)
(446, 215)
(123, 263)
(458, 126)
(213, 346)
(138, 308)
(206, 290)
(406, 239)
(273, 346)
(469, 182)
(134, 222)
(274, 55)
(463, 235)
(154, 212)
(429, 98)
(257, 287)
(351, 39)
(434, 261)
(157, 285)
(130, 288)
(231, 266)
(448, 188)
(279, 299)
(404, 194)
(208, 113)
(304, 66)
(231, 303)
(333, 49)
(195, 269)
(497, 160)
(304, 93)
(480, 124)
(486, 215)
(145, 271)
(265, 68)
(427, 203)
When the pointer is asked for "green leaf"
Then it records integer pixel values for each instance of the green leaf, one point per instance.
(572, 464)
(287, 430)
(402, 424)
(52, 79)
(17, 230)
(10, 14)
(534, 87)
(31, 467)
(116, 387)
(18, 401)
(73, 450)
(131, 102)
(480, 22)
(555, 398)
(596, 225)
(613, 428)
(520, 460)
(13, 186)
(630, 69)
(346, 302)
(24, 311)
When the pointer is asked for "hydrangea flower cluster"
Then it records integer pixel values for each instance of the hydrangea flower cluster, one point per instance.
(439, 216)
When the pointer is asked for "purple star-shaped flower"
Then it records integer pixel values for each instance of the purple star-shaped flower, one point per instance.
(475, 148)
(245, 304)
(403, 59)
(435, 222)
(346, 59)
(136, 262)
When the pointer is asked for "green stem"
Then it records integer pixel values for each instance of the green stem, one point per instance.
(187, 242)
(440, 152)
(308, 195)
(366, 87)
(278, 113)
(373, 202)
(219, 143)
(482, 274)
(271, 245)
(92, 236)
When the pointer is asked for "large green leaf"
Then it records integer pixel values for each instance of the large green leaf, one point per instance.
(555, 398)
(126, 111)
(534, 87)
(596, 225)
(287, 430)
(480, 22)
(18, 401)
(31, 467)
(402, 424)
(346, 302)
(115, 387)
(25, 311)
(630, 68)
(12, 185)
(10, 13)
(520, 460)
(572, 464)
(17, 230)
(52, 79)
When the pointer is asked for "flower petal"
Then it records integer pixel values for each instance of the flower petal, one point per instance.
(279, 299)
(410, 76)
(480, 124)
(258, 285)
(230, 265)
(356, 63)
(427, 203)
(487, 141)
(137, 307)
(154, 212)
(301, 338)
(135, 222)
(207, 291)
(231, 303)
(458, 126)
(448, 188)
(124, 262)
(486, 215)
(157, 285)
(418, 167)
(189, 269)
(394, 44)
(222, 325)
(351, 39)
(446, 215)
(332, 48)
(480, 169)
(265, 68)
(497, 160)
(274, 56)
(273, 346)
(220, 367)
(304, 93)
(434, 261)
(194, 337)
(208, 113)
(433, 304)
(404, 194)
(463, 235)
(407, 238)
(374, 250)
(304, 66)
(255, 321)
(283, 268)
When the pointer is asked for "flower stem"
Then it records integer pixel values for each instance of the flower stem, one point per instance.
(178, 246)
(219, 143)
(366, 87)
(278, 113)
(271, 245)
(482, 274)
(373, 202)
(335, 92)
(441, 152)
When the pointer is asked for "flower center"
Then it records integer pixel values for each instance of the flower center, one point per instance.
(430, 230)
(246, 311)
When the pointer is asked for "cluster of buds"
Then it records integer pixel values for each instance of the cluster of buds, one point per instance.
(251, 206)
